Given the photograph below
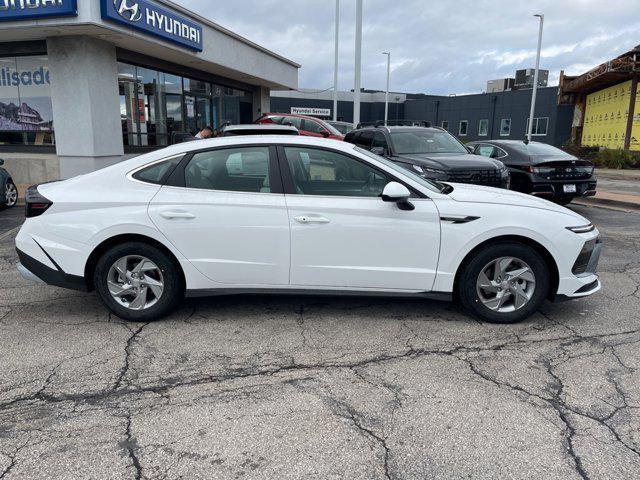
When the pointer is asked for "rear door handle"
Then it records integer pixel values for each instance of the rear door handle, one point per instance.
(310, 219)
(171, 214)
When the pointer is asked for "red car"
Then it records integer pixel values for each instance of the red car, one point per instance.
(309, 126)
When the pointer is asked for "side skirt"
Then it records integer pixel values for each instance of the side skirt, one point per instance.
(216, 292)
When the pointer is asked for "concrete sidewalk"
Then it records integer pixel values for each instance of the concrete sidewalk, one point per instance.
(618, 188)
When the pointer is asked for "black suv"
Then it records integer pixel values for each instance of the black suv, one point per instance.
(432, 153)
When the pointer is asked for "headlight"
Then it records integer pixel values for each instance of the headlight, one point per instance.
(582, 228)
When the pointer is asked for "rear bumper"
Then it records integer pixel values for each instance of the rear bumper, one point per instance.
(555, 188)
(35, 271)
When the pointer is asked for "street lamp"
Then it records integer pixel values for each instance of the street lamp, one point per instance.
(535, 78)
(335, 65)
(386, 93)
(358, 64)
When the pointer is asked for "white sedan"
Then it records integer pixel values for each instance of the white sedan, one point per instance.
(299, 215)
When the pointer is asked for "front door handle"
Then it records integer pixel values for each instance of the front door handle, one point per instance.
(171, 214)
(310, 219)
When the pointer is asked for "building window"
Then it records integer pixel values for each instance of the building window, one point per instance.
(464, 125)
(540, 125)
(26, 115)
(445, 125)
(483, 128)
(156, 108)
(505, 127)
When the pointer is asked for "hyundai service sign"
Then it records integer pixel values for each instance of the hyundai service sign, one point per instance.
(152, 18)
(11, 10)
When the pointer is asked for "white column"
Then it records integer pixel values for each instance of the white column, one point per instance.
(86, 103)
(261, 101)
(335, 64)
(358, 64)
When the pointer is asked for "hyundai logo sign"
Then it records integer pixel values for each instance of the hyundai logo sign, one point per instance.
(154, 19)
(11, 10)
(131, 12)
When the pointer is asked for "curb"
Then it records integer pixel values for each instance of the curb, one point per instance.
(606, 203)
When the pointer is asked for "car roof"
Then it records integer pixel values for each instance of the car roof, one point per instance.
(398, 128)
(260, 126)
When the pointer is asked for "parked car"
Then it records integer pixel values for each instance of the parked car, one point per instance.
(256, 129)
(433, 153)
(342, 127)
(307, 126)
(299, 215)
(8, 189)
(541, 170)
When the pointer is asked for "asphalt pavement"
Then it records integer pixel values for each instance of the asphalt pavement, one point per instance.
(289, 387)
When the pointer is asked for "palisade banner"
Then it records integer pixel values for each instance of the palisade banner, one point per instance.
(605, 118)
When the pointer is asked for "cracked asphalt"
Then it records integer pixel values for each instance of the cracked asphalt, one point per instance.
(290, 387)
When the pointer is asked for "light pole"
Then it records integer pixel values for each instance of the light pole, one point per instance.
(358, 64)
(535, 78)
(335, 66)
(386, 93)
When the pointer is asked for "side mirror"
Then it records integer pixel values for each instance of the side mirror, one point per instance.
(379, 151)
(399, 194)
(325, 134)
(470, 148)
(1, 162)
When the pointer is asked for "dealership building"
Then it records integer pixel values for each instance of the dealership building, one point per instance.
(87, 83)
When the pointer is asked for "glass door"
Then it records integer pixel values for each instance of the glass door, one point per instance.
(197, 112)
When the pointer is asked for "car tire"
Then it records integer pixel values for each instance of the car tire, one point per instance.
(11, 195)
(477, 297)
(563, 201)
(138, 282)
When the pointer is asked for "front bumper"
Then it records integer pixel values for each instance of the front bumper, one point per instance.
(584, 283)
(35, 271)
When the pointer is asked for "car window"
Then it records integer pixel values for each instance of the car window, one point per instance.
(363, 139)
(277, 119)
(243, 169)
(484, 150)
(325, 172)
(379, 140)
(157, 172)
(294, 121)
(313, 127)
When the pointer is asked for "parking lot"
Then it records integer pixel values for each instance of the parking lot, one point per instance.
(292, 387)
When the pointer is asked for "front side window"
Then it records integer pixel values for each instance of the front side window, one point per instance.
(425, 141)
(313, 127)
(483, 128)
(505, 127)
(464, 125)
(329, 173)
(244, 169)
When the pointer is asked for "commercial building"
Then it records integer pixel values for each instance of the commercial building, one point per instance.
(480, 116)
(606, 103)
(84, 84)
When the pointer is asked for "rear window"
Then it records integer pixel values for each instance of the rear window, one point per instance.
(536, 149)
(158, 172)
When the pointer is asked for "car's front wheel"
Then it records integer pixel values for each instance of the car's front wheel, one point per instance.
(138, 282)
(504, 283)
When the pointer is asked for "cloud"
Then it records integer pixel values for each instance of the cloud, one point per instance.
(437, 47)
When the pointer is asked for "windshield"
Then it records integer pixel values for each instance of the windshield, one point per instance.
(539, 149)
(425, 141)
(433, 186)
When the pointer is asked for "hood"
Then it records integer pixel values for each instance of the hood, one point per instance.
(450, 161)
(464, 192)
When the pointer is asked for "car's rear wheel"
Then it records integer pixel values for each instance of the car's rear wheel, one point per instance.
(11, 194)
(563, 201)
(504, 283)
(138, 282)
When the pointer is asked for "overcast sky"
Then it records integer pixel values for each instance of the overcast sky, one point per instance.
(437, 46)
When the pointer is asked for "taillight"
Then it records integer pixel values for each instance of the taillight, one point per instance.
(35, 203)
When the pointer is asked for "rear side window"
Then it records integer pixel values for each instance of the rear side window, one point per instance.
(244, 169)
(158, 172)
(313, 127)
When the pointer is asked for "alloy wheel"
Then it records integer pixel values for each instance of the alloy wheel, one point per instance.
(505, 284)
(11, 194)
(135, 282)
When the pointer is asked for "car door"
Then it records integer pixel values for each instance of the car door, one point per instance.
(224, 210)
(344, 235)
